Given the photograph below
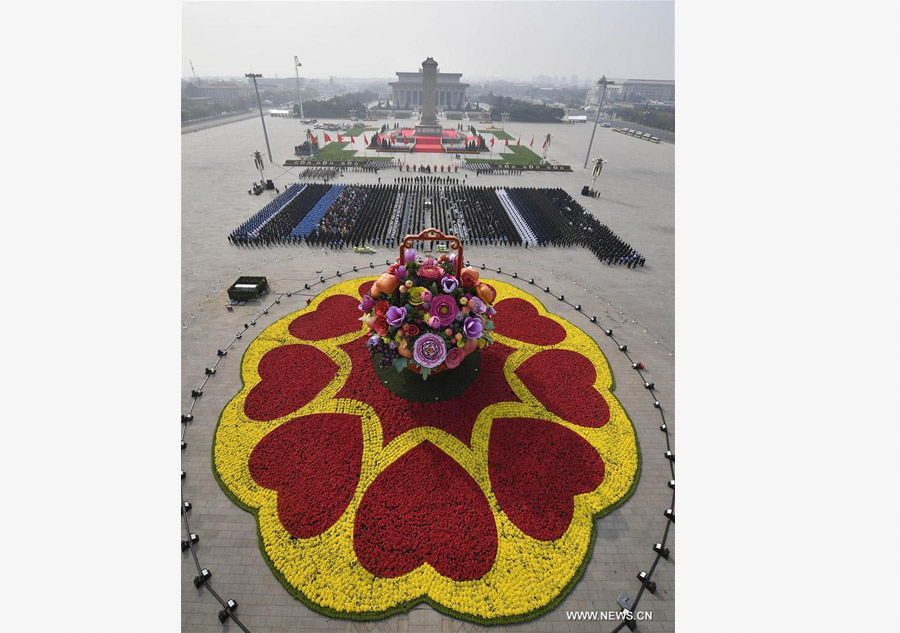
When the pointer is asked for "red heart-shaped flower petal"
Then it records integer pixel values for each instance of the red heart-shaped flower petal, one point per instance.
(292, 375)
(335, 316)
(425, 508)
(564, 383)
(365, 287)
(313, 463)
(518, 319)
(537, 468)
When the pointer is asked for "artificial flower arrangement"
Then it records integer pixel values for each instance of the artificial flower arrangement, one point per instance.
(427, 315)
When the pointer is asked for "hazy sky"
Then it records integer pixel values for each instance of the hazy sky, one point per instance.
(515, 40)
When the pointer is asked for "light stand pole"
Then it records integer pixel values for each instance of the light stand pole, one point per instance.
(297, 66)
(503, 117)
(603, 82)
(598, 167)
(253, 76)
(258, 161)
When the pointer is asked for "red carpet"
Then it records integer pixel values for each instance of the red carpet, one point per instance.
(428, 145)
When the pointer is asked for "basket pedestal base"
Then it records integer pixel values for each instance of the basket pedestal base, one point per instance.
(442, 386)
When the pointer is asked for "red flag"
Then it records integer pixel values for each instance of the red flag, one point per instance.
(517, 141)
(327, 138)
(313, 139)
(365, 140)
(392, 140)
(545, 144)
(492, 141)
(340, 139)
(352, 140)
(532, 141)
(506, 142)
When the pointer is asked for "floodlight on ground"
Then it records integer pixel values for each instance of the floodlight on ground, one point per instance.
(578, 307)
(192, 539)
(672, 484)
(623, 348)
(515, 275)
(670, 515)
(203, 578)
(183, 474)
(662, 551)
(531, 281)
(645, 580)
(593, 319)
(670, 456)
(225, 613)
(649, 385)
(609, 332)
(187, 417)
(187, 506)
(338, 273)
(355, 269)
(196, 393)
(223, 352)
(210, 371)
(183, 445)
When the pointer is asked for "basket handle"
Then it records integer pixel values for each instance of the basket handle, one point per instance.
(433, 235)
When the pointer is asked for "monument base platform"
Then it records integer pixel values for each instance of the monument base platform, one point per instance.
(429, 130)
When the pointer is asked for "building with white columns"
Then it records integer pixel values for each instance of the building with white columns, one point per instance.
(407, 91)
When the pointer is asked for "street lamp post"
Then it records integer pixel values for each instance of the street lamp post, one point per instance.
(253, 76)
(602, 82)
(297, 66)
(503, 117)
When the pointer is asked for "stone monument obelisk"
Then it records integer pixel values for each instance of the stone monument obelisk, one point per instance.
(429, 125)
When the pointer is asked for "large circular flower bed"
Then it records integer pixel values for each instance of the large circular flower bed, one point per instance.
(482, 505)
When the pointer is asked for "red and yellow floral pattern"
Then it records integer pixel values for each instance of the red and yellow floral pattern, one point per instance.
(482, 505)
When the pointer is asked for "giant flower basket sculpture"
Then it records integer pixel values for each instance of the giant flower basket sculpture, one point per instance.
(427, 314)
(481, 505)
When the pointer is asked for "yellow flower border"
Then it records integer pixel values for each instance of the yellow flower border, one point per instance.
(529, 577)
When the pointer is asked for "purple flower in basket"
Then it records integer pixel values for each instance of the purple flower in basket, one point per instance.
(400, 273)
(410, 255)
(429, 350)
(449, 284)
(477, 306)
(395, 316)
(434, 322)
(444, 308)
(367, 304)
(426, 295)
(473, 328)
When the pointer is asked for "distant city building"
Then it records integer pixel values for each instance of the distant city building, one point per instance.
(407, 90)
(633, 91)
(225, 91)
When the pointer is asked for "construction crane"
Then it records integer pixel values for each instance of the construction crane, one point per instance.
(196, 78)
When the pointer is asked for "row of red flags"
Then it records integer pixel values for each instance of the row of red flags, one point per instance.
(340, 139)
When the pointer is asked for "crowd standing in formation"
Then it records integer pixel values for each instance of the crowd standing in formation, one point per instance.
(319, 173)
(380, 215)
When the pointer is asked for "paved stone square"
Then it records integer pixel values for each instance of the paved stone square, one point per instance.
(637, 203)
